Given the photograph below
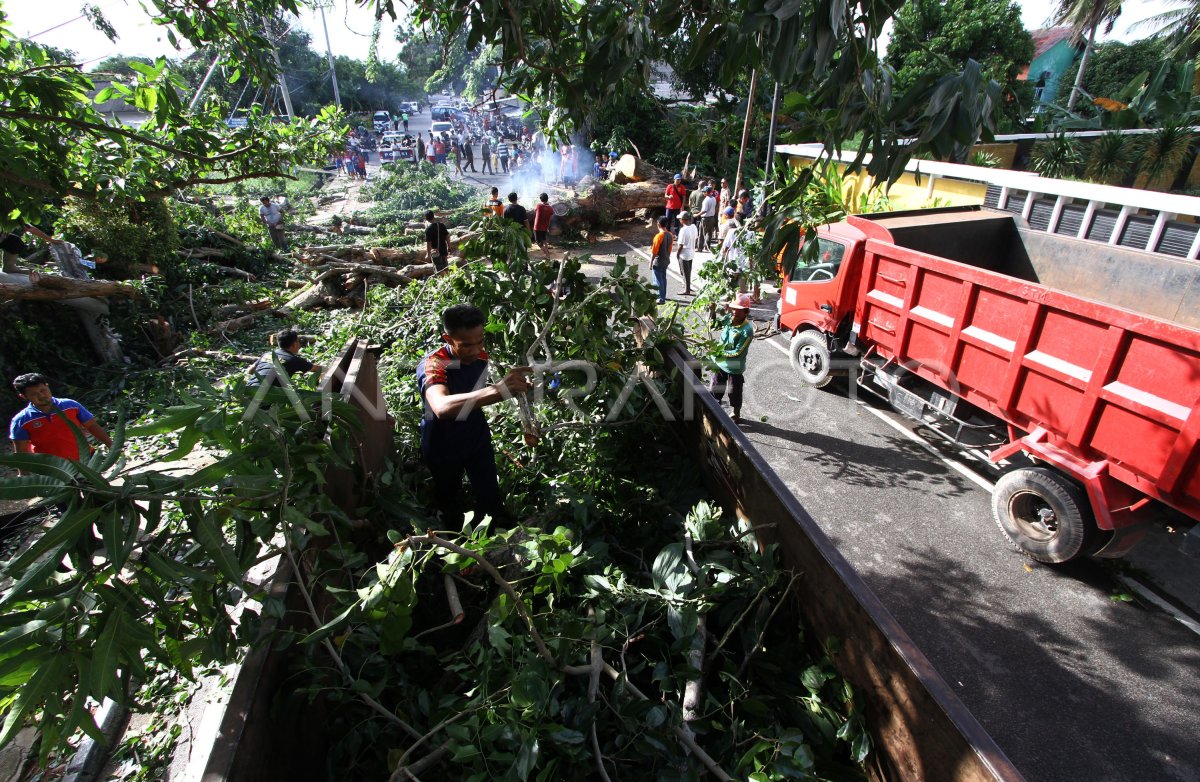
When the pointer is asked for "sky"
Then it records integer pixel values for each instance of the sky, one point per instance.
(63, 26)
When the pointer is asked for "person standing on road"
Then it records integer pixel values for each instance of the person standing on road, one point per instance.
(734, 255)
(660, 257)
(420, 149)
(726, 194)
(708, 218)
(502, 153)
(745, 209)
(455, 437)
(494, 204)
(486, 154)
(437, 242)
(272, 217)
(729, 360)
(696, 197)
(468, 155)
(515, 212)
(46, 424)
(685, 250)
(404, 119)
(541, 222)
(676, 195)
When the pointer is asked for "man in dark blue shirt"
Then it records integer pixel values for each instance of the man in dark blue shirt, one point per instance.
(455, 437)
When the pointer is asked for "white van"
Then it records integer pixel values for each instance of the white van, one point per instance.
(382, 121)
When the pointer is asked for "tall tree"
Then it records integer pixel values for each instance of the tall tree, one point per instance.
(1085, 17)
(937, 37)
(1179, 27)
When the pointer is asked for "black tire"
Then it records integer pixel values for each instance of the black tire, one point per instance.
(810, 358)
(1045, 514)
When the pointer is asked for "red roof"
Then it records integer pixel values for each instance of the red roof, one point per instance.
(1043, 41)
(1047, 39)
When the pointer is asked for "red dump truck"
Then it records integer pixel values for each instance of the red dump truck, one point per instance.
(1074, 365)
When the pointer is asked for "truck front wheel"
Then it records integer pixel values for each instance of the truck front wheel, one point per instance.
(810, 358)
(1044, 514)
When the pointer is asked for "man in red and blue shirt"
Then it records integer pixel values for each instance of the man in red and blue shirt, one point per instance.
(455, 437)
(42, 426)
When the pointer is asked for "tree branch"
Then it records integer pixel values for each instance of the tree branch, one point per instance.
(490, 569)
(118, 131)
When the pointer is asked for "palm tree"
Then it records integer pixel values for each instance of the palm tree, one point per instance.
(1179, 26)
(1085, 17)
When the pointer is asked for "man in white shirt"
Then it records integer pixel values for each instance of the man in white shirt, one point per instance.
(735, 257)
(272, 217)
(708, 218)
(685, 249)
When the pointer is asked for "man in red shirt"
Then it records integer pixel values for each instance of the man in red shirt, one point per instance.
(42, 426)
(541, 221)
(676, 197)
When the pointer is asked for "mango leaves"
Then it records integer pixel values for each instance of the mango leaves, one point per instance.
(143, 564)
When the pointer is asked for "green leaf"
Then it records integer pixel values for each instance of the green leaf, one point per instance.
(529, 689)
(670, 571)
(29, 487)
(42, 685)
(527, 758)
(104, 655)
(176, 417)
(58, 537)
(42, 464)
(208, 531)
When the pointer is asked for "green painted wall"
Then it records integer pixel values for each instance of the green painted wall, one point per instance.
(1056, 60)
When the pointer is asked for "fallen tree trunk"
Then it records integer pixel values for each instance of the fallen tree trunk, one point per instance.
(631, 168)
(239, 323)
(606, 203)
(48, 287)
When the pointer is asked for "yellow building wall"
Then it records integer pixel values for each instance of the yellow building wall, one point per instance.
(908, 192)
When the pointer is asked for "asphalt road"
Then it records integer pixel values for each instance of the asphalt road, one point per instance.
(1072, 684)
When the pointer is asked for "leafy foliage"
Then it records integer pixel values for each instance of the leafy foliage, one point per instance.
(55, 143)
(402, 193)
(126, 231)
(1059, 157)
(938, 37)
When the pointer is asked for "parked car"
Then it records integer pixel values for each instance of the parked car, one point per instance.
(438, 128)
(441, 113)
(411, 106)
(382, 121)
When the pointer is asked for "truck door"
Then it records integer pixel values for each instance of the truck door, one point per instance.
(812, 289)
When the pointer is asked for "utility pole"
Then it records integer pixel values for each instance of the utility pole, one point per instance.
(337, 98)
(737, 182)
(204, 83)
(283, 88)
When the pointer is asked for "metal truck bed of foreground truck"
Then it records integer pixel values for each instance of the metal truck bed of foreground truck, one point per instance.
(1075, 365)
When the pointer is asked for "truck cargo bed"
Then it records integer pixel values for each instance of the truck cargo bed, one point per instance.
(1096, 380)
(1149, 284)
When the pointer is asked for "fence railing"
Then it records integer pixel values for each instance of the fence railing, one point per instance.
(1165, 223)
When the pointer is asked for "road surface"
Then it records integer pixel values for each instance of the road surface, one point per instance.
(1073, 685)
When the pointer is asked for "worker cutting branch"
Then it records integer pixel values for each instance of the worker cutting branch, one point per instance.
(455, 437)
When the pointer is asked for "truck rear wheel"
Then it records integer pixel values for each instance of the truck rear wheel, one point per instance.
(1044, 514)
(810, 358)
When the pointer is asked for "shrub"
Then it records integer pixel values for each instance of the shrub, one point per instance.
(127, 231)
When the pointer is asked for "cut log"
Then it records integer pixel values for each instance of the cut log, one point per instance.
(219, 355)
(633, 169)
(230, 271)
(48, 287)
(392, 256)
(239, 323)
(605, 203)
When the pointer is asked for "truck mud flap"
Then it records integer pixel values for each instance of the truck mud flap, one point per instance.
(921, 729)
